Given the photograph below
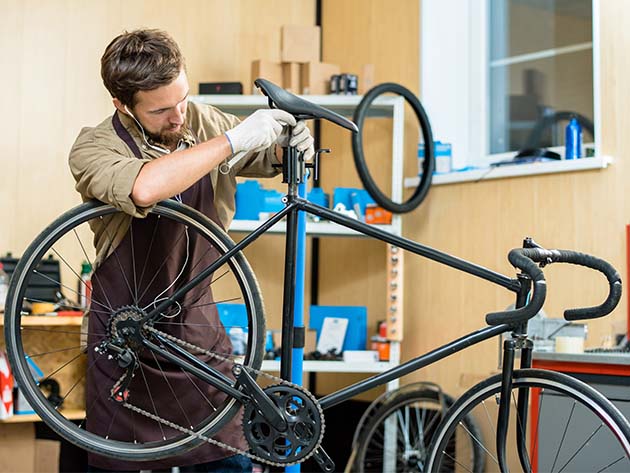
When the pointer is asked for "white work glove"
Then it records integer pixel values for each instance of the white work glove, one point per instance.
(258, 131)
(300, 138)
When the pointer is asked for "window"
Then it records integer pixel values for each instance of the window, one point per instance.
(541, 66)
(501, 75)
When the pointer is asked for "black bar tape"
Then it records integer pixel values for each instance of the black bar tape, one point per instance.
(520, 259)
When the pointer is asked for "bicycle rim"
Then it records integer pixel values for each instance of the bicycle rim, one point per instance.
(41, 349)
(398, 436)
(568, 427)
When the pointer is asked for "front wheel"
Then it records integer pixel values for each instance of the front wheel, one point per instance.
(144, 261)
(567, 427)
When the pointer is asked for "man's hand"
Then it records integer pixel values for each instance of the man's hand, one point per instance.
(300, 138)
(258, 131)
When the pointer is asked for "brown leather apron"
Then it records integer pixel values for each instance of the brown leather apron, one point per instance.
(175, 395)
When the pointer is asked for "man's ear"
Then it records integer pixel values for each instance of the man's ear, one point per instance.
(119, 106)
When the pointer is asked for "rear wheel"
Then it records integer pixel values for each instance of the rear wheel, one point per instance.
(41, 349)
(568, 427)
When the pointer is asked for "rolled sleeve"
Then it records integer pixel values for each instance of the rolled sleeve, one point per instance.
(104, 171)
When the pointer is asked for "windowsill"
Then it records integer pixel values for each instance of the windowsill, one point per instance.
(516, 170)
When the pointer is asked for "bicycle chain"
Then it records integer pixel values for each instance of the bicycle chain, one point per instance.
(212, 441)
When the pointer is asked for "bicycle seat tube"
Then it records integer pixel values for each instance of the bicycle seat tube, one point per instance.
(292, 174)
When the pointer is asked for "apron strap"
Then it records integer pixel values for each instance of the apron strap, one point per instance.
(124, 135)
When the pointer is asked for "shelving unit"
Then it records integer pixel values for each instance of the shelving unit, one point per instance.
(385, 106)
(50, 320)
(71, 414)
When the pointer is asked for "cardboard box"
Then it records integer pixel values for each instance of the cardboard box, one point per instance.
(47, 456)
(291, 77)
(272, 71)
(17, 447)
(21, 452)
(316, 77)
(300, 43)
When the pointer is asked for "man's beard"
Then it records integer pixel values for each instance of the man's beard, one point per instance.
(167, 138)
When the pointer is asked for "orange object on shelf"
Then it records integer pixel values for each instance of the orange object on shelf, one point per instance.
(382, 347)
(377, 215)
(69, 313)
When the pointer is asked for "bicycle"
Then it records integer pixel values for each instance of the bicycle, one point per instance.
(282, 422)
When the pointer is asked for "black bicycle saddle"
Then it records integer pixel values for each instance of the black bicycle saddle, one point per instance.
(301, 109)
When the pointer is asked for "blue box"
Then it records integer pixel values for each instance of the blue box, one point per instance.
(252, 199)
(233, 315)
(356, 333)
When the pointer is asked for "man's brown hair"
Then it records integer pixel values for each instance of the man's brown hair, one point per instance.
(143, 59)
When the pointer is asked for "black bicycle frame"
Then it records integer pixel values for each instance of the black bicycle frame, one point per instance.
(294, 204)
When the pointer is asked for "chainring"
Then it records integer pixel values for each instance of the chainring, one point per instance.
(304, 430)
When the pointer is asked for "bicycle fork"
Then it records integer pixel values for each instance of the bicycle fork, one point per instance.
(519, 341)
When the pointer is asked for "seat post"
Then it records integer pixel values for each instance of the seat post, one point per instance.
(293, 169)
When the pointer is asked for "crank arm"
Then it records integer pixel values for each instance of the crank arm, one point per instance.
(323, 460)
(263, 403)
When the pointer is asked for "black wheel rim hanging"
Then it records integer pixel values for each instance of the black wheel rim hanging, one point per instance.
(428, 165)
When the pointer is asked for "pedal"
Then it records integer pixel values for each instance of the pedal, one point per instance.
(323, 460)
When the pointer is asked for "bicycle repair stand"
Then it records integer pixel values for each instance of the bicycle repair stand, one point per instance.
(295, 173)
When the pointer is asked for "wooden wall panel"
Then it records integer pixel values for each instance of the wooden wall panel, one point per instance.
(354, 33)
(482, 221)
(53, 49)
(50, 57)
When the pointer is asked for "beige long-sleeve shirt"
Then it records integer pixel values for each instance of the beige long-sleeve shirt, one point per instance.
(105, 168)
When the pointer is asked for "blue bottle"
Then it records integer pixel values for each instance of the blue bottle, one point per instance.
(573, 140)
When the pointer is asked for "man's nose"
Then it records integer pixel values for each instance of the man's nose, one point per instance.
(177, 117)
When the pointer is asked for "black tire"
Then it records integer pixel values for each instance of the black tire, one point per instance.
(415, 415)
(66, 364)
(359, 158)
(580, 426)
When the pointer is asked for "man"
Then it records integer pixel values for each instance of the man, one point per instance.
(156, 146)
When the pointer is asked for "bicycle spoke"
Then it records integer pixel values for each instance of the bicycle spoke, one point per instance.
(199, 390)
(580, 448)
(457, 462)
(115, 254)
(78, 381)
(112, 422)
(109, 304)
(170, 387)
(564, 434)
(63, 366)
(54, 351)
(146, 259)
(79, 278)
(610, 465)
(55, 282)
(157, 272)
(148, 391)
(32, 328)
